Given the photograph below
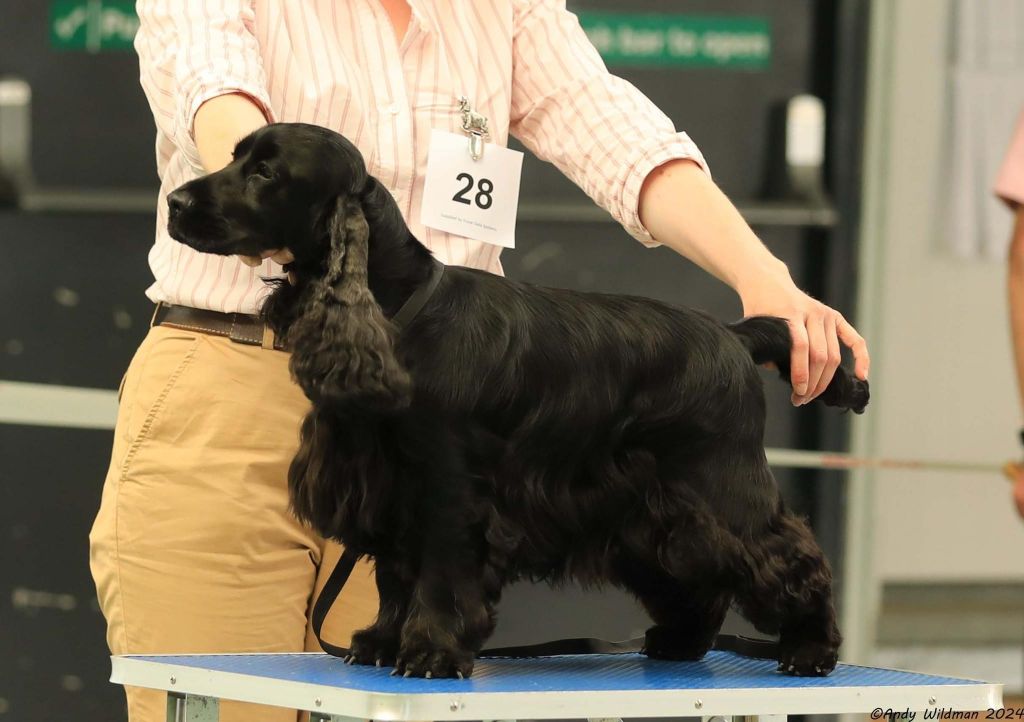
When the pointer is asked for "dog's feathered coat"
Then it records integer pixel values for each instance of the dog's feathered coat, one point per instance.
(511, 430)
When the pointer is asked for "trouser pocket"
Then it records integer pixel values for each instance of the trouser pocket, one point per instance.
(160, 365)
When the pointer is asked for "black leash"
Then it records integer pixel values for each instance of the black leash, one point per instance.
(744, 646)
(340, 575)
(415, 303)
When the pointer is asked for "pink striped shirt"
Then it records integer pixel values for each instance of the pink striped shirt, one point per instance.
(525, 64)
(1010, 181)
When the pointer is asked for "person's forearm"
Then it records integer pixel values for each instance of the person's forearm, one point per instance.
(220, 123)
(1015, 283)
(684, 210)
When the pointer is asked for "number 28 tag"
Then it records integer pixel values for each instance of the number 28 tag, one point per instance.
(477, 199)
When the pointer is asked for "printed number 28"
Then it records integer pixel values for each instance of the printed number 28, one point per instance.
(484, 189)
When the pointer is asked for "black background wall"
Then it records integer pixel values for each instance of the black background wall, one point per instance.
(92, 129)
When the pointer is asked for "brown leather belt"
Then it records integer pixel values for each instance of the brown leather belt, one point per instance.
(239, 327)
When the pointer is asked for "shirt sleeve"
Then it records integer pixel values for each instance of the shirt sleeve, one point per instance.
(598, 129)
(191, 51)
(1010, 181)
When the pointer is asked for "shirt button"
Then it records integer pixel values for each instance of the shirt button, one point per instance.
(394, 109)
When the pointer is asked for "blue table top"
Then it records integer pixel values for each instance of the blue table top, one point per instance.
(609, 672)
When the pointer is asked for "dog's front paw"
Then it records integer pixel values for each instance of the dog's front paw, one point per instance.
(808, 659)
(420, 658)
(373, 646)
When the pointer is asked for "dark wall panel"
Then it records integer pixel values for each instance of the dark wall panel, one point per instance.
(54, 662)
(90, 121)
(724, 110)
(75, 307)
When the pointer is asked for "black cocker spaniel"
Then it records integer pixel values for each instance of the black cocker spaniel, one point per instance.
(513, 431)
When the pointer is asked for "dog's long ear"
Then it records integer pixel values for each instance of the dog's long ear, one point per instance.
(342, 345)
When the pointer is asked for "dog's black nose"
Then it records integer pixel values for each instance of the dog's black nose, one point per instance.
(178, 201)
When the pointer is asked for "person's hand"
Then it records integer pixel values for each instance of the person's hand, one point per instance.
(280, 255)
(817, 332)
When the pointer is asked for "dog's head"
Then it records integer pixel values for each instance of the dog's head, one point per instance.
(306, 188)
(280, 191)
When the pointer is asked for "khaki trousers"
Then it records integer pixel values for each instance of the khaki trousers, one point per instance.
(194, 549)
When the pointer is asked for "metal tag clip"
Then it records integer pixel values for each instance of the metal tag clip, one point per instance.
(475, 125)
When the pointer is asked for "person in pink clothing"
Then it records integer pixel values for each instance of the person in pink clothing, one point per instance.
(1010, 188)
(193, 548)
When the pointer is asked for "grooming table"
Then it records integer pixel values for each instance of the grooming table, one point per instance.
(594, 687)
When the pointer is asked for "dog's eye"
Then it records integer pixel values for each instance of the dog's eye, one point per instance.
(263, 170)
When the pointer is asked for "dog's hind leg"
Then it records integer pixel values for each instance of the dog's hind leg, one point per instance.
(683, 578)
(687, 617)
(786, 588)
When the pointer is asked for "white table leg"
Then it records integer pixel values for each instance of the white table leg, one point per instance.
(192, 708)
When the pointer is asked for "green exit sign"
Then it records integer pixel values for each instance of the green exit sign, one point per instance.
(93, 25)
(665, 40)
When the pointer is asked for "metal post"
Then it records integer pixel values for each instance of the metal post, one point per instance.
(192, 708)
(175, 707)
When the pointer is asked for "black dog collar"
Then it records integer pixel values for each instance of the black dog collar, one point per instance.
(415, 303)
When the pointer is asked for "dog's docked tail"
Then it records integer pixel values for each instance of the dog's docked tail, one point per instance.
(768, 341)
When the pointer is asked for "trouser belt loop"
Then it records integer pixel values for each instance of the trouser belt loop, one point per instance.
(268, 338)
(156, 310)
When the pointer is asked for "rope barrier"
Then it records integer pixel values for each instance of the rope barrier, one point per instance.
(796, 459)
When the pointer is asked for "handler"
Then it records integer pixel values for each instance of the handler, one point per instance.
(194, 549)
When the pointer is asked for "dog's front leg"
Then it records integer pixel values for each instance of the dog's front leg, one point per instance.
(449, 619)
(378, 643)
